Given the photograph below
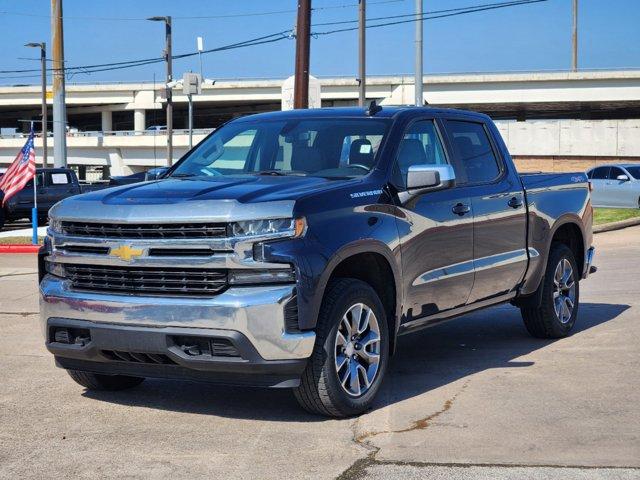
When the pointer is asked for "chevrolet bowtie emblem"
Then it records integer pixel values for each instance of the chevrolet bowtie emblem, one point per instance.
(126, 253)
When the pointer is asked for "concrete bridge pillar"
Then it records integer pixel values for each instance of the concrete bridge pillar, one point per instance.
(139, 120)
(107, 121)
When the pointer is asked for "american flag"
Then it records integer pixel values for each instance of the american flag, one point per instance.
(20, 171)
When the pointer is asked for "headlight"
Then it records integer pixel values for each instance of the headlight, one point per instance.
(56, 269)
(254, 277)
(279, 226)
(55, 225)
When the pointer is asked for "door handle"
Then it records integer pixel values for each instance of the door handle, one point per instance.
(461, 209)
(515, 202)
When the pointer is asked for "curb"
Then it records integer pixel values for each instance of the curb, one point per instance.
(608, 227)
(19, 248)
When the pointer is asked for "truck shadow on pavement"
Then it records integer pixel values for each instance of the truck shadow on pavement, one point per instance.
(424, 361)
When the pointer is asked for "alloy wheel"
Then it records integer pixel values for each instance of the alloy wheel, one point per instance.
(564, 291)
(357, 349)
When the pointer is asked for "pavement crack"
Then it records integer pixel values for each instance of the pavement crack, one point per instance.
(17, 274)
(22, 314)
(419, 424)
(358, 469)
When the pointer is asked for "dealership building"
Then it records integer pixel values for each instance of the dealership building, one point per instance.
(552, 121)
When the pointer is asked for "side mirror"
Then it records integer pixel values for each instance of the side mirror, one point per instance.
(427, 178)
(623, 178)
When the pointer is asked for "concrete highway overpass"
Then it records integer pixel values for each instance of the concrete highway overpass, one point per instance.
(550, 120)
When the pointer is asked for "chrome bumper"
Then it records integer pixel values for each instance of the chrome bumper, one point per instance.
(255, 312)
(589, 267)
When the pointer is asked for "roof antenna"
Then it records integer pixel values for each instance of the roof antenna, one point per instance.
(373, 108)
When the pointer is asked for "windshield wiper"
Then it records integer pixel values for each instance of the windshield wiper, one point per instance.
(183, 175)
(278, 173)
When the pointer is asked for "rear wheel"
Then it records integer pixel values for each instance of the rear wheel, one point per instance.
(351, 352)
(558, 310)
(95, 381)
(1, 217)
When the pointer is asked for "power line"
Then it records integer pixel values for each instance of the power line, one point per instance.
(197, 17)
(278, 36)
(431, 16)
(432, 12)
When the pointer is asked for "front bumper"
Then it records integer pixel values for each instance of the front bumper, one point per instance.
(251, 318)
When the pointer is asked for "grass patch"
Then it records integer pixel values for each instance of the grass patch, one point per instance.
(608, 215)
(19, 240)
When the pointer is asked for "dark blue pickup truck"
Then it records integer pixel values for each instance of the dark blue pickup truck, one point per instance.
(291, 249)
(52, 185)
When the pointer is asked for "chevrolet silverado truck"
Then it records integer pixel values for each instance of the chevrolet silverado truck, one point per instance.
(291, 249)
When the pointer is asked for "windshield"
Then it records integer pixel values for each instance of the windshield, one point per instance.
(327, 147)
(634, 171)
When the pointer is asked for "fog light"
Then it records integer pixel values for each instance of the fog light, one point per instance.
(254, 277)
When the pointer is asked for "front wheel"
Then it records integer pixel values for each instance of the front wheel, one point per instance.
(558, 310)
(350, 356)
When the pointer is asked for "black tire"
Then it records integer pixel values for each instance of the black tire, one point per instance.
(95, 381)
(1, 217)
(320, 391)
(543, 321)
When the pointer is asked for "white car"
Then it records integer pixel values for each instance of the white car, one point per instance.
(615, 186)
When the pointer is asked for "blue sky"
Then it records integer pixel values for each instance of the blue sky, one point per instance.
(532, 37)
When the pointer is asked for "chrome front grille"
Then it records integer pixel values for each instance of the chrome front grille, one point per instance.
(146, 280)
(144, 230)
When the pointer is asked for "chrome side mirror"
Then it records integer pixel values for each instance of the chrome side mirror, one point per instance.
(428, 177)
(623, 178)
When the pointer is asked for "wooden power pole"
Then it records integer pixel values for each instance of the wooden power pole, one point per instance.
(303, 40)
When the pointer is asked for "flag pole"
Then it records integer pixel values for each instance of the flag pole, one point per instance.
(34, 210)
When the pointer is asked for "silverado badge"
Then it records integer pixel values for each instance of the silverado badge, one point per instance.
(126, 253)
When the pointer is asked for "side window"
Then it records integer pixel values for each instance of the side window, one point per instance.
(600, 173)
(472, 151)
(614, 172)
(420, 145)
(58, 178)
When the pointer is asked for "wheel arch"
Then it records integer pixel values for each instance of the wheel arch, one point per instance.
(373, 263)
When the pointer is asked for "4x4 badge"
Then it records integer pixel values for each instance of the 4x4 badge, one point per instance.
(126, 253)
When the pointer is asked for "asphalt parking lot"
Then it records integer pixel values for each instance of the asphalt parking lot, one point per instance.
(472, 398)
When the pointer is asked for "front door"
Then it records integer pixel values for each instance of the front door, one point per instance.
(436, 231)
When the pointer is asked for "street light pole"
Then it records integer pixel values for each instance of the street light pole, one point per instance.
(574, 37)
(419, 54)
(168, 89)
(362, 90)
(43, 63)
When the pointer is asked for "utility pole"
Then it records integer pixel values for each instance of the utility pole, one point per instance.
(574, 37)
(43, 64)
(168, 87)
(418, 74)
(362, 90)
(303, 40)
(59, 106)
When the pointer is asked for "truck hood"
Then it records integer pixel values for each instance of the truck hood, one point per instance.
(215, 199)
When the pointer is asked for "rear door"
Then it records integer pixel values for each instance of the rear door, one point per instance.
(497, 199)
(436, 242)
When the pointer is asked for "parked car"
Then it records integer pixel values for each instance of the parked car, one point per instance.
(52, 185)
(615, 186)
(270, 255)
